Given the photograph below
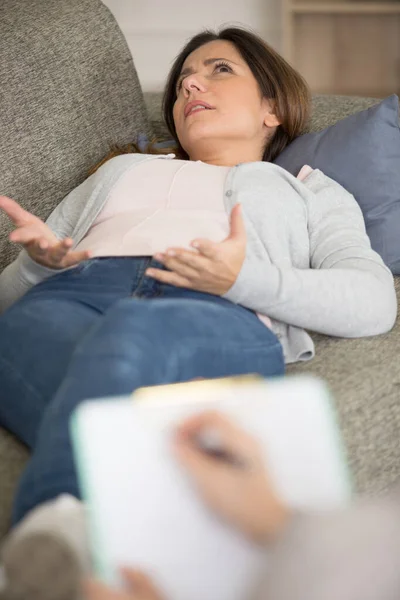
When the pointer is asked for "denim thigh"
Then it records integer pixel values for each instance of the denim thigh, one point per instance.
(141, 342)
(39, 333)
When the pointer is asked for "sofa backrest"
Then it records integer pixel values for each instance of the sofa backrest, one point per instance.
(327, 110)
(68, 90)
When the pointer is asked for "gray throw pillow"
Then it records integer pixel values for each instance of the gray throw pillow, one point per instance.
(362, 153)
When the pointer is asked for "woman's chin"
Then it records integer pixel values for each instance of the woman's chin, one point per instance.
(198, 139)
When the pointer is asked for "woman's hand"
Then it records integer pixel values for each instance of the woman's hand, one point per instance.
(236, 486)
(38, 239)
(139, 588)
(212, 268)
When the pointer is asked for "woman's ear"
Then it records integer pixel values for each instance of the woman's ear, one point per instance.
(270, 118)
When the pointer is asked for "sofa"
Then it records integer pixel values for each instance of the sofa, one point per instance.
(68, 91)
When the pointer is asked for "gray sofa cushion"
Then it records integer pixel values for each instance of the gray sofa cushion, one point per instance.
(68, 90)
(13, 456)
(364, 377)
(327, 110)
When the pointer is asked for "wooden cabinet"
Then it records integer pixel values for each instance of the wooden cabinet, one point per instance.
(346, 47)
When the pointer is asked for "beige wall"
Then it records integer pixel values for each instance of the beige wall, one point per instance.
(157, 29)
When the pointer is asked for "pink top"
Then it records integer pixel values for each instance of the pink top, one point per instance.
(148, 211)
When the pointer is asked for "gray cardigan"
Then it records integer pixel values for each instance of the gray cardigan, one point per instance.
(309, 262)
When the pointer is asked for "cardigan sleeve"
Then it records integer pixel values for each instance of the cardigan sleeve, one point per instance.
(347, 290)
(23, 273)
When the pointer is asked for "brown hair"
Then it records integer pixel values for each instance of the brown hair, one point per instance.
(133, 148)
(277, 80)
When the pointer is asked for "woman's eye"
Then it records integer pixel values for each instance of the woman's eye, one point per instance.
(222, 66)
(217, 66)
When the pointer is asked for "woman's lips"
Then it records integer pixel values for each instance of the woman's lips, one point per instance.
(190, 107)
(195, 110)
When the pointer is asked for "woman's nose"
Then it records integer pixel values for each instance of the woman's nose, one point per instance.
(192, 82)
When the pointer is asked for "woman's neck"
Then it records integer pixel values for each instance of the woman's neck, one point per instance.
(226, 157)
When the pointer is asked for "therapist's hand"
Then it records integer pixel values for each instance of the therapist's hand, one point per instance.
(211, 267)
(235, 486)
(139, 588)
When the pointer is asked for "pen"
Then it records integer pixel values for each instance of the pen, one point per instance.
(209, 442)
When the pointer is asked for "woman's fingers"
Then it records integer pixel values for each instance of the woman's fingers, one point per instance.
(38, 239)
(74, 258)
(237, 226)
(58, 256)
(60, 250)
(29, 233)
(63, 257)
(168, 277)
(207, 248)
(16, 213)
(184, 262)
(180, 268)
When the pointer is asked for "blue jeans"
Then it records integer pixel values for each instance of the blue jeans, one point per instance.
(104, 328)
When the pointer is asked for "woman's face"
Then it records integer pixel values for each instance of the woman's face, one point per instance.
(238, 115)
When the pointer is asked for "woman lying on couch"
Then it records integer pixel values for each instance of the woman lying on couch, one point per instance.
(206, 262)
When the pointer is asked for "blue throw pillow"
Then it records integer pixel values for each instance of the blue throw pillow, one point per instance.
(362, 153)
